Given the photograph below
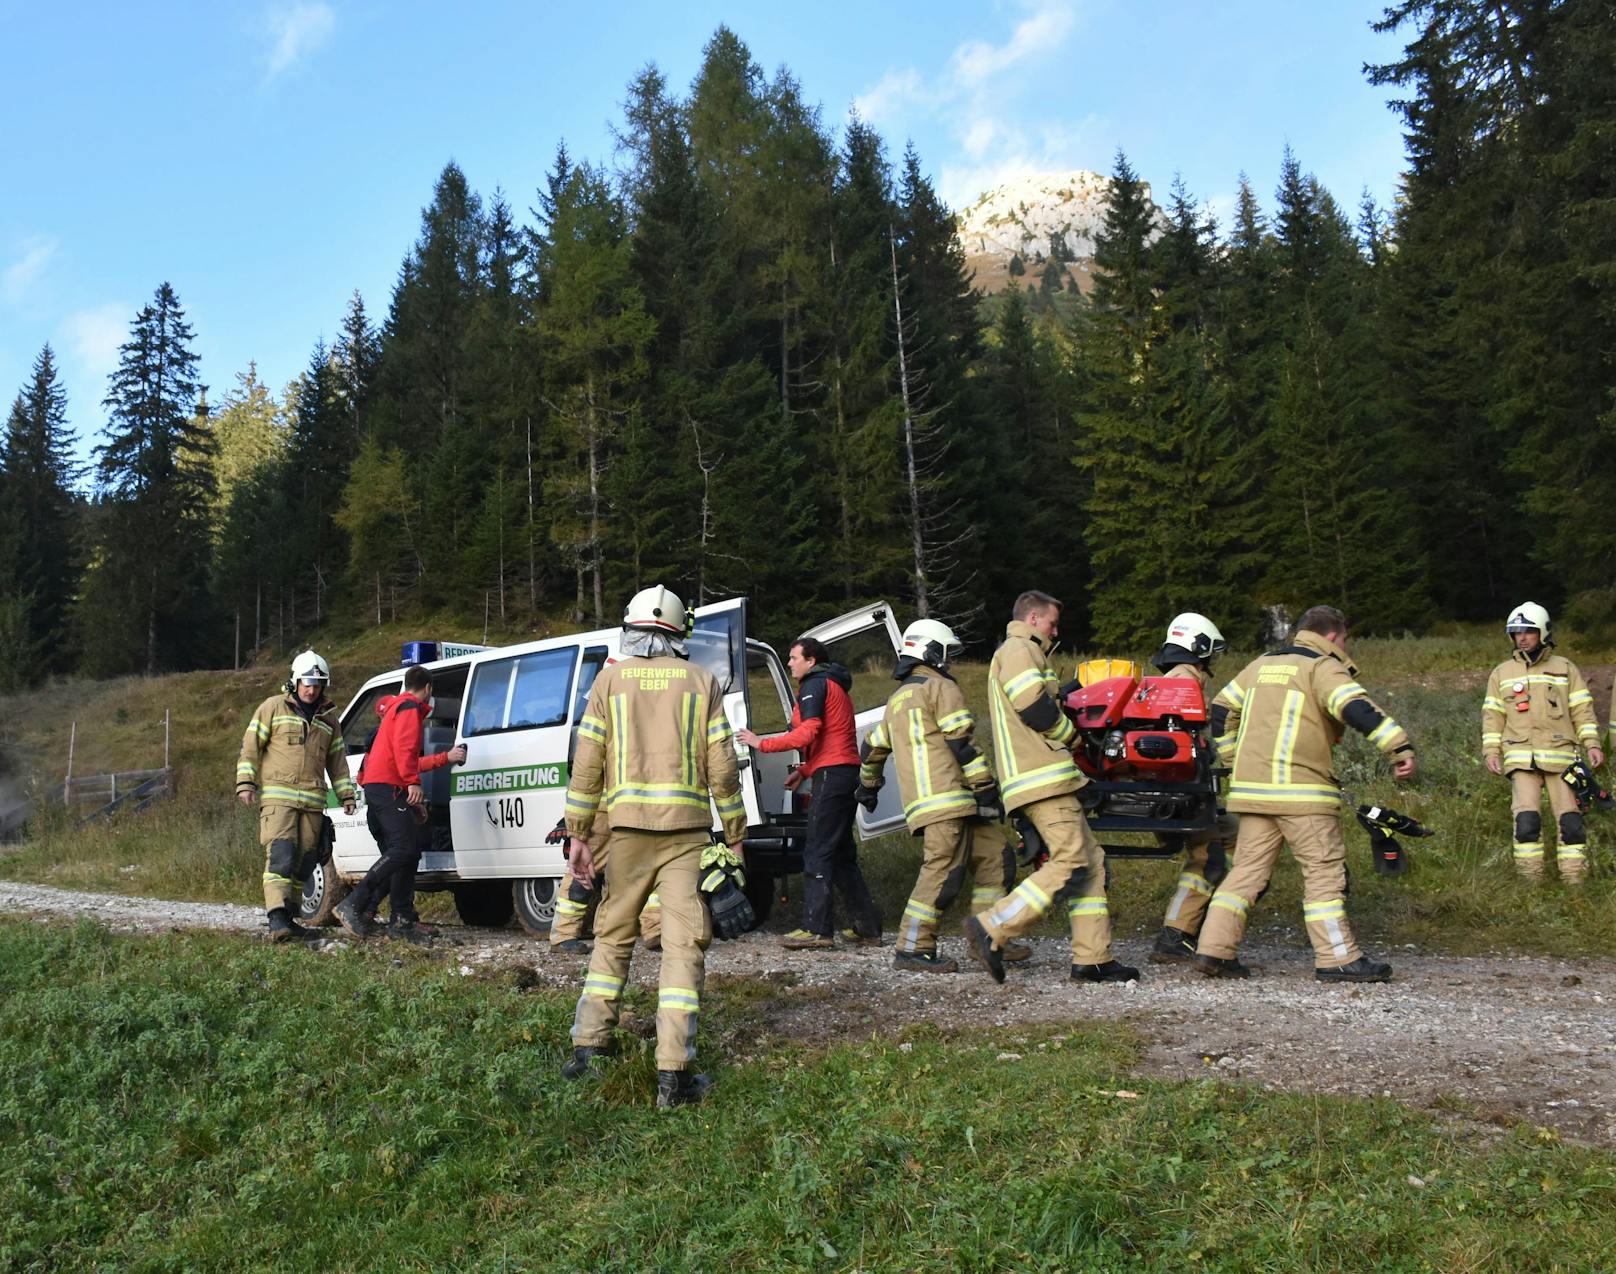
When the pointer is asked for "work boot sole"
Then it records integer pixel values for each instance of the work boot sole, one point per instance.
(1332, 975)
(1211, 967)
(915, 964)
(980, 946)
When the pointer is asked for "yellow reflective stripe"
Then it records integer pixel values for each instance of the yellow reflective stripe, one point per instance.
(1339, 696)
(870, 775)
(956, 721)
(1023, 681)
(682, 999)
(962, 801)
(687, 738)
(1544, 679)
(582, 802)
(270, 878)
(1063, 732)
(877, 737)
(1044, 774)
(567, 907)
(1571, 851)
(1235, 693)
(245, 769)
(1194, 883)
(1029, 892)
(1087, 907)
(718, 730)
(1284, 791)
(1381, 735)
(1285, 740)
(592, 728)
(729, 806)
(345, 789)
(675, 793)
(1580, 697)
(917, 755)
(1329, 909)
(258, 728)
(1586, 729)
(1490, 703)
(976, 768)
(294, 796)
(1534, 850)
(602, 985)
(619, 710)
(1231, 902)
(921, 911)
(1491, 736)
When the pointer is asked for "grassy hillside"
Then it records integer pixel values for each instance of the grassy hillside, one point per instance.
(1462, 896)
(196, 1102)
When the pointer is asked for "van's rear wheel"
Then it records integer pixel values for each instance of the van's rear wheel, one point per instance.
(485, 903)
(322, 891)
(534, 901)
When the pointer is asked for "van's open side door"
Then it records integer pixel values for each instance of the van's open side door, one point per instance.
(718, 644)
(865, 642)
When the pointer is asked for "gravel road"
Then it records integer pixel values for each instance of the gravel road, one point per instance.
(1494, 1039)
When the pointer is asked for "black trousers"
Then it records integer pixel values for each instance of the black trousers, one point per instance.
(398, 837)
(830, 856)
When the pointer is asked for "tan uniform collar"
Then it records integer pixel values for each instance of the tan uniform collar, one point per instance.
(1321, 645)
(1018, 628)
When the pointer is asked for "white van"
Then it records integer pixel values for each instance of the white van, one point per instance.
(516, 709)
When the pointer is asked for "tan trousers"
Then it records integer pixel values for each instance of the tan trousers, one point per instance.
(575, 906)
(1075, 871)
(667, 863)
(286, 834)
(949, 850)
(1187, 907)
(1526, 797)
(1316, 843)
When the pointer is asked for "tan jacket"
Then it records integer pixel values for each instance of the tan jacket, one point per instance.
(654, 739)
(1535, 716)
(1279, 720)
(927, 728)
(287, 757)
(1032, 736)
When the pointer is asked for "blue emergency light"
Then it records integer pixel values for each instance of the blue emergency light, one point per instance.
(419, 652)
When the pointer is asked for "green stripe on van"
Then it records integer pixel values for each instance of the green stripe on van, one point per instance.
(521, 778)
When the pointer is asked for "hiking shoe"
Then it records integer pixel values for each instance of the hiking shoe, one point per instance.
(861, 939)
(1110, 971)
(282, 928)
(1173, 946)
(1363, 969)
(411, 931)
(1215, 967)
(680, 1088)
(801, 940)
(982, 950)
(1015, 952)
(924, 962)
(354, 922)
(571, 946)
(583, 1060)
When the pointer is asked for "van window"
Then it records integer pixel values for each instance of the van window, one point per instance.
(594, 661)
(520, 693)
(542, 681)
(361, 721)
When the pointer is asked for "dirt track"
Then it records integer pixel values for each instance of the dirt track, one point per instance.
(1497, 1039)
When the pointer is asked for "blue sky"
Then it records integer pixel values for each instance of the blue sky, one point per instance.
(269, 158)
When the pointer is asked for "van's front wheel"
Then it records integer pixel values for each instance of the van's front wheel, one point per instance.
(534, 900)
(322, 891)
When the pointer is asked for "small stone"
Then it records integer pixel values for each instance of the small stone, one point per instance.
(1417, 1182)
(1571, 979)
(1009, 1057)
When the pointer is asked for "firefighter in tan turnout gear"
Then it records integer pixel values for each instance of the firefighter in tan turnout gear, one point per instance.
(1536, 714)
(292, 745)
(1032, 740)
(946, 785)
(1278, 723)
(1193, 641)
(653, 744)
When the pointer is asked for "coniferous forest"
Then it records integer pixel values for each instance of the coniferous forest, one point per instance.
(743, 355)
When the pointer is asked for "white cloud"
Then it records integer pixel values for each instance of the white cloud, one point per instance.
(89, 349)
(297, 30)
(21, 275)
(978, 96)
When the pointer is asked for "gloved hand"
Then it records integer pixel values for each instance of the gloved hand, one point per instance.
(1090, 797)
(1032, 852)
(989, 802)
(867, 796)
(720, 883)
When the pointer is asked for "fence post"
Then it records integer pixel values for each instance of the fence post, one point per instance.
(165, 737)
(67, 783)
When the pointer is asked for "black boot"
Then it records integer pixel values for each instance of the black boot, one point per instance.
(571, 946)
(980, 945)
(583, 1060)
(1173, 946)
(1110, 971)
(282, 928)
(1363, 969)
(411, 930)
(1216, 967)
(680, 1088)
(924, 962)
(353, 921)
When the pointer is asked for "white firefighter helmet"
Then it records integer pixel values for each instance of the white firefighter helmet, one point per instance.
(1197, 634)
(1527, 616)
(656, 610)
(310, 667)
(928, 641)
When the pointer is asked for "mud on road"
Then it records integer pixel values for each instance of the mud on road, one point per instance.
(1493, 1039)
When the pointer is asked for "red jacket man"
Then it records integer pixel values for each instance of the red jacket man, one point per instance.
(395, 753)
(821, 719)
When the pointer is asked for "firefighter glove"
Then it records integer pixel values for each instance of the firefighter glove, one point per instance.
(1585, 788)
(866, 796)
(989, 802)
(1090, 797)
(1033, 852)
(721, 881)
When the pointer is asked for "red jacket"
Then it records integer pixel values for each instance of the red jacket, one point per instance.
(821, 721)
(395, 753)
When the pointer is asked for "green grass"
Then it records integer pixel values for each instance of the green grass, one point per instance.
(1462, 896)
(204, 1102)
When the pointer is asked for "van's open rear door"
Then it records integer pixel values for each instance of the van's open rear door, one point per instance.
(865, 642)
(718, 644)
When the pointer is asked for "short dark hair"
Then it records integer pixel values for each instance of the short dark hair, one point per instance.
(417, 678)
(1321, 619)
(1032, 600)
(812, 648)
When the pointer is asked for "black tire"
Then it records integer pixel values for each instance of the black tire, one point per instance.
(760, 892)
(488, 904)
(534, 901)
(322, 891)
